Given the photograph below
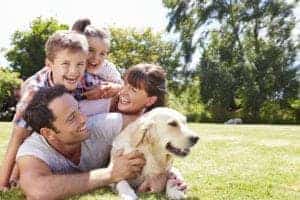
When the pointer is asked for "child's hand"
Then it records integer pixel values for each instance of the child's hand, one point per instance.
(105, 90)
(110, 89)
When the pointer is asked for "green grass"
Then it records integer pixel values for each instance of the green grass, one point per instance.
(231, 162)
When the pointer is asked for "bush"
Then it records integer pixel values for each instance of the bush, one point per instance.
(187, 101)
(271, 112)
(9, 83)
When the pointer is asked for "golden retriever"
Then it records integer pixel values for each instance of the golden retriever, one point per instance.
(158, 134)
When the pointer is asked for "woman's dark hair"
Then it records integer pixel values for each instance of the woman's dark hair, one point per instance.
(151, 78)
(37, 113)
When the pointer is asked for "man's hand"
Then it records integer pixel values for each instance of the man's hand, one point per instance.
(126, 166)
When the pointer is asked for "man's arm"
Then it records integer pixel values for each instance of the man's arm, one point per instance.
(38, 182)
(17, 137)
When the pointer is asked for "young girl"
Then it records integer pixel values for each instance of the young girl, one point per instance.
(100, 73)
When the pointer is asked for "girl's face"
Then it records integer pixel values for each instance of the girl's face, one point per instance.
(98, 51)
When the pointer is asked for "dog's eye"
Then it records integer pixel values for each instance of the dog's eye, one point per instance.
(173, 123)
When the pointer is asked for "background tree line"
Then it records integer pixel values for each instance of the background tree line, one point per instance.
(242, 51)
(246, 56)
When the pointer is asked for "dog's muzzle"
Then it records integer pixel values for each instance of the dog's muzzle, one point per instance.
(177, 151)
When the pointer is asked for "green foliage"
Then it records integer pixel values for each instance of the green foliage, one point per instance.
(9, 81)
(130, 47)
(295, 105)
(271, 112)
(246, 53)
(221, 73)
(27, 54)
(187, 101)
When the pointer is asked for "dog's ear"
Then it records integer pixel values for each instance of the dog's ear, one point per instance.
(142, 133)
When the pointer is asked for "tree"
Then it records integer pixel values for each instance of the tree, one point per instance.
(27, 54)
(247, 53)
(130, 47)
(221, 72)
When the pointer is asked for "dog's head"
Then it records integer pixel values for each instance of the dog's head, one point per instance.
(167, 129)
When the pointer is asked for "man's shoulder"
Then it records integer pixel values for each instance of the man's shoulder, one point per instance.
(36, 146)
(105, 125)
(34, 140)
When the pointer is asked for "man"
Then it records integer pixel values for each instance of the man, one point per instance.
(66, 154)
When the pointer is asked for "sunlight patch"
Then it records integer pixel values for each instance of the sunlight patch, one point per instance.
(221, 137)
(275, 143)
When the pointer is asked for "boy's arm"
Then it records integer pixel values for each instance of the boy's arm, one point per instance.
(38, 182)
(17, 137)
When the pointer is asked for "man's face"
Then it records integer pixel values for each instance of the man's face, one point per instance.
(133, 100)
(69, 123)
(68, 68)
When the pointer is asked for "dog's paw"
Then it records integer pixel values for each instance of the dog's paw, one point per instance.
(125, 191)
(176, 189)
(129, 197)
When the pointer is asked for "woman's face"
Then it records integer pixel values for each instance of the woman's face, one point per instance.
(133, 100)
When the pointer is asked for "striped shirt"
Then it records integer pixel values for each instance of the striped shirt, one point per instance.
(40, 79)
(106, 73)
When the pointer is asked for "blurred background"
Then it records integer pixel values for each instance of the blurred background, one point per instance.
(225, 59)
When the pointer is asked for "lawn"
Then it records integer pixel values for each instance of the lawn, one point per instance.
(230, 162)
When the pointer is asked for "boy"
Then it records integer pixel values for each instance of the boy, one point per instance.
(66, 55)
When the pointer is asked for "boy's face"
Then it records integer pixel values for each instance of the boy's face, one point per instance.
(98, 51)
(68, 68)
(133, 100)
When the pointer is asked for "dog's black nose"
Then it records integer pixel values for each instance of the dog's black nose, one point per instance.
(194, 139)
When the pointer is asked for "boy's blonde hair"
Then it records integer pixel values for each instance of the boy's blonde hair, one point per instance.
(61, 40)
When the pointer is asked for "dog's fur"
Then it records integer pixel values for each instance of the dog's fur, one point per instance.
(158, 134)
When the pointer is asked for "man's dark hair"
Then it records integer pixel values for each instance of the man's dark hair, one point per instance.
(37, 113)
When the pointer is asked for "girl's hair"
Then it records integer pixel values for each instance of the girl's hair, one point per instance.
(151, 78)
(84, 26)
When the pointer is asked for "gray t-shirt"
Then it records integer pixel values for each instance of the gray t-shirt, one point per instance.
(95, 150)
